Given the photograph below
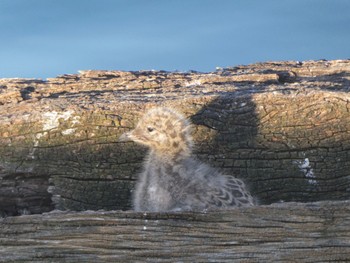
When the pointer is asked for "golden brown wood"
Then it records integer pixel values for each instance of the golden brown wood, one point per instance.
(284, 127)
(281, 126)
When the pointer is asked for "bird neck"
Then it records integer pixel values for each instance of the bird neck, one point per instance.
(169, 156)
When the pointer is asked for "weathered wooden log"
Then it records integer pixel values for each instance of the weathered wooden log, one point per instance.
(281, 126)
(287, 232)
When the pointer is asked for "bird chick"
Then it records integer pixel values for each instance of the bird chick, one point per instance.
(172, 179)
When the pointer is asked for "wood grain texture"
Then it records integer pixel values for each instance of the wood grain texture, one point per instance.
(283, 127)
(286, 232)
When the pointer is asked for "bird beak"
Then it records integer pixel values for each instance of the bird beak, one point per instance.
(125, 137)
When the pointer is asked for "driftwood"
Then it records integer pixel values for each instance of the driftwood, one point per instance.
(283, 127)
(288, 232)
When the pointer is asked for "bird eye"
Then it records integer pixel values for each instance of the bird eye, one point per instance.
(150, 129)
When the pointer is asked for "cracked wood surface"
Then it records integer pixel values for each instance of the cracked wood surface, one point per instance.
(286, 232)
(283, 127)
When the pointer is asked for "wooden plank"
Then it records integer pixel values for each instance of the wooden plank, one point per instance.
(285, 232)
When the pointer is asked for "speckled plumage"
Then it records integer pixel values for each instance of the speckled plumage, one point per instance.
(172, 179)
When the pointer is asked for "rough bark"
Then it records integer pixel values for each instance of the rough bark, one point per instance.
(288, 232)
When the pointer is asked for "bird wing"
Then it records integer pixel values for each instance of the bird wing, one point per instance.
(232, 193)
(204, 187)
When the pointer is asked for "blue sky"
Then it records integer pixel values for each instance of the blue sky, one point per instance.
(46, 38)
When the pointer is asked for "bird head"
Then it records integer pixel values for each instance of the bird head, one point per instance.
(164, 131)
